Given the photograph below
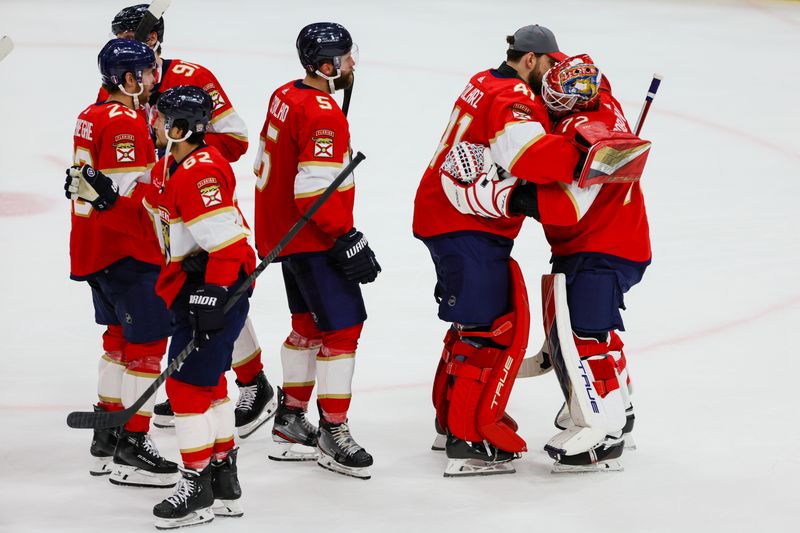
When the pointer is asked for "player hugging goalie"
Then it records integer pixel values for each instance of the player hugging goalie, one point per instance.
(597, 228)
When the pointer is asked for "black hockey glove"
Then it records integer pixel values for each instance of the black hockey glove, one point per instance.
(92, 186)
(352, 254)
(195, 264)
(524, 200)
(206, 312)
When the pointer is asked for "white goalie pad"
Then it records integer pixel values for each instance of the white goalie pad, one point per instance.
(473, 184)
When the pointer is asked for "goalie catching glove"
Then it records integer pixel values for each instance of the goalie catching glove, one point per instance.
(474, 184)
(89, 184)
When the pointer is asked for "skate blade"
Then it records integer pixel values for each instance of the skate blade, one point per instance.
(101, 466)
(439, 443)
(135, 477)
(476, 467)
(163, 421)
(201, 516)
(283, 450)
(328, 463)
(630, 443)
(268, 412)
(603, 466)
(227, 508)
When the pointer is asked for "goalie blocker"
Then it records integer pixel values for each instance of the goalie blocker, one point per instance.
(473, 384)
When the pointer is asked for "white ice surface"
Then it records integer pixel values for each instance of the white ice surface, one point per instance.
(709, 329)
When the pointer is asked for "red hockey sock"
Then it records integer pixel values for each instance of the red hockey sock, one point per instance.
(247, 370)
(335, 366)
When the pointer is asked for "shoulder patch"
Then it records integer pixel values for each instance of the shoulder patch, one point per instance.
(323, 143)
(216, 97)
(209, 191)
(521, 111)
(124, 148)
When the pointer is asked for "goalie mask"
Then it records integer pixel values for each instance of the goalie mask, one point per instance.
(572, 85)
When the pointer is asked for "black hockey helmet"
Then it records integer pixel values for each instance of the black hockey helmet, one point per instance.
(129, 18)
(323, 41)
(188, 103)
(119, 56)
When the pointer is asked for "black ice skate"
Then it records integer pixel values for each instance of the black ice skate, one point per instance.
(163, 416)
(600, 457)
(440, 440)
(339, 453)
(256, 405)
(102, 449)
(137, 463)
(225, 486)
(294, 437)
(476, 459)
(191, 503)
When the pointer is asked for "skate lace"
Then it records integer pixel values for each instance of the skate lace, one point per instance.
(182, 493)
(150, 447)
(247, 396)
(341, 435)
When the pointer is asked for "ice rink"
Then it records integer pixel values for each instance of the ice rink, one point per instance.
(709, 338)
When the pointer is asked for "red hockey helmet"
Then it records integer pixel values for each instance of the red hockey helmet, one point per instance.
(572, 84)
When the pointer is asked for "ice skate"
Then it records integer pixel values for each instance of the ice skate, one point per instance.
(256, 405)
(580, 449)
(476, 459)
(137, 463)
(190, 505)
(163, 416)
(102, 449)
(225, 486)
(440, 440)
(294, 437)
(564, 421)
(340, 453)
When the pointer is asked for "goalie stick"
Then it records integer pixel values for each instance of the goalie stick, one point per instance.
(6, 45)
(539, 364)
(154, 12)
(110, 419)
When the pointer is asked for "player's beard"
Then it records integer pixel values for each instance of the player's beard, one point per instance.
(535, 82)
(344, 81)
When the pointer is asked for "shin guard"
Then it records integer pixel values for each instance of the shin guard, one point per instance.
(110, 370)
(143, 365)
(335, 366)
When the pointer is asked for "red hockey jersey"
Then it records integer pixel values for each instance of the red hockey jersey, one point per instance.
(305, 143)
(227, 131)
(115, 140)
(194, 209)
(608, 218)
(496, 109)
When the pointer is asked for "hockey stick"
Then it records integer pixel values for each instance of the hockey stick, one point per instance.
(110, 419)
(539, 364)
(651, 93)
(150, 19)
(6, 45)
(348, 93)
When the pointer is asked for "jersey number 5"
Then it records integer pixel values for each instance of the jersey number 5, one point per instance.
(452, 135)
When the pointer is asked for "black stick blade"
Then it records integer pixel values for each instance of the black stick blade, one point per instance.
(96, 420)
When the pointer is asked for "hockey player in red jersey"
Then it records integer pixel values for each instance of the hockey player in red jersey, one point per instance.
(479, 287)
(228, 133)
(599, 237)
(194, 213)
(305, 143)
(113, 137)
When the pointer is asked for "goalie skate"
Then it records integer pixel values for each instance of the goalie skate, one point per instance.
(440, 440)
(256, 405)
(476, 459)
(598, 457)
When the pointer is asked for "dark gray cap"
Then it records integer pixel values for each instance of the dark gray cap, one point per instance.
(535, 38)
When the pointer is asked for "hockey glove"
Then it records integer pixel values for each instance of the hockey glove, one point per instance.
(355, 258)
(206, 312)
(92, 186)
(524, 200)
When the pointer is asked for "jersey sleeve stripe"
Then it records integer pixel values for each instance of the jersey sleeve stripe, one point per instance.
(581, 198)
(511, 142)
(206, 215)
(313, 178)
(215, 232)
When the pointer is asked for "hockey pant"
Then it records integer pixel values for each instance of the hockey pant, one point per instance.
(125, 371)
(473, 381)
